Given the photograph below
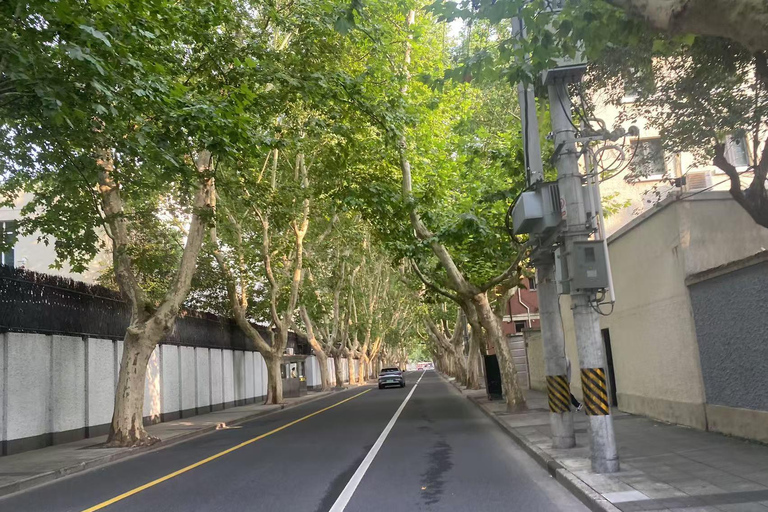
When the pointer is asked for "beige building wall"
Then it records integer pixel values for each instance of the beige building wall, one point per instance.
(655, 352)
(644, 194)
(37, 256)
(536, 364)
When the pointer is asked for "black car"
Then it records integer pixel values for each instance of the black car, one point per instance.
(391, 377)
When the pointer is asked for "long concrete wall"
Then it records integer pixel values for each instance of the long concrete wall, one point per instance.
(56, 389)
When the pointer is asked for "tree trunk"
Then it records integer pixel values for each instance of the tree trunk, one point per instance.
(476, 350)
(351, 371)
(362, 370)
(473, 358)
(338, 371)
(322, 360)
(460, 368)
(127, 427)
(492, 326)
(274, 379)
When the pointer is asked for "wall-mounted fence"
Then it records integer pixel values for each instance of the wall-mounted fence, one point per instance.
(46, 304)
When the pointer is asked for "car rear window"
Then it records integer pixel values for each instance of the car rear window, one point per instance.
(389, 370)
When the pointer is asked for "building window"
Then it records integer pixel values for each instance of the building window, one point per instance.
(519, 326)
(7, 233)
(532, 283)
(647, 160)
(736, 151)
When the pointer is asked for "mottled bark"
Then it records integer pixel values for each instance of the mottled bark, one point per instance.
(362, 370)
(127, 427)
(753, 199)
(274, 379)
(351, 371)
(743, 21)
(473, 357)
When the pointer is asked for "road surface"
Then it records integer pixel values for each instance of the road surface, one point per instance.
(424, 447)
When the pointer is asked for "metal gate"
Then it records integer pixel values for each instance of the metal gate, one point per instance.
(520, 357)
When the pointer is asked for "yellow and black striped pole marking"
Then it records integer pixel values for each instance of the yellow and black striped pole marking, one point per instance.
(559, 393)
(595, 393)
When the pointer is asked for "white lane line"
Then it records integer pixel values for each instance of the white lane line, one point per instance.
(351, 487)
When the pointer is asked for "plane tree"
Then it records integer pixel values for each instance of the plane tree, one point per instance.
(457, 169)
(113, 116)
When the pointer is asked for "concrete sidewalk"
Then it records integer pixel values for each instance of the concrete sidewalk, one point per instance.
(663, 467)
(28, 469)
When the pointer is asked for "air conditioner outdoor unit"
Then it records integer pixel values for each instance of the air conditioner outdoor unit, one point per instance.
(698, 180)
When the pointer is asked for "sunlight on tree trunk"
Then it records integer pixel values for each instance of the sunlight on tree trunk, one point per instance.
(127, 427)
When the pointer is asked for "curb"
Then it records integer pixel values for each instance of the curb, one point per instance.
(454, 384)
(50, 476)
(579, 488)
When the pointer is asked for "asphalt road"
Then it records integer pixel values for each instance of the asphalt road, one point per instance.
(441, 453)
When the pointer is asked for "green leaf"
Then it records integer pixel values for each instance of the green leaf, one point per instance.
(97, 34)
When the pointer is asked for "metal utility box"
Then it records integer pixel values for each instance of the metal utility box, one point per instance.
(567, 69)
(527, 212)
(589, 270)
(537, 211)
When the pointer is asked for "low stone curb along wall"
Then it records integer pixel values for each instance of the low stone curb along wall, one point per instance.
(56, 389)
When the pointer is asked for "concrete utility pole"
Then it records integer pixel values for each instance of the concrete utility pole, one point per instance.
(605, 458)
(553, 339)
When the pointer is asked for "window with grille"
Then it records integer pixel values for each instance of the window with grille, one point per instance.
(7, 236)
(736, 151)
(647, 160)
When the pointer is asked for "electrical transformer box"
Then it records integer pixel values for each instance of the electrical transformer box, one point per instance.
(589, 270)
(537, 211)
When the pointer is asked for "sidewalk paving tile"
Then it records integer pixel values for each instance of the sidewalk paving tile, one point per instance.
(663, 467)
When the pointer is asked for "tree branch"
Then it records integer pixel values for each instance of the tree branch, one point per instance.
(266, 259)
(511, 270)
(238, 308)
(112, 204)
(202, 213)
(743, 21)
(433, 286)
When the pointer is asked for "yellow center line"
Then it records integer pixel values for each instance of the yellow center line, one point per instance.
(197, 464)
